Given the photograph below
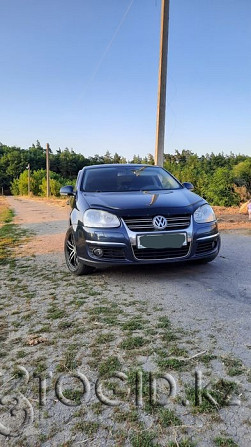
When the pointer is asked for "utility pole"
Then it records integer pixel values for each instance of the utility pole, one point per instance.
(29, 178)
(161, 106)
(47, 169)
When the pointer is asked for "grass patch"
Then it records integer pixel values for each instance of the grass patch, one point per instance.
(133, 343)
(206, 358)
(104, 338)
(69, 363)
(73, 395)
(177, 352)
(6, 214)
(55, 313)
(126, 416)
(175, 364)
(221, 391)
(168, 418)
(182, 443)
(65, 324)
(134, 324)
(21, 354)
(133, 377)
(233, 366)
(45, 328)
(105, 310)
(87, 427)
(10, 235)
(109, 366)
(169, 336)
(111, 321)
(224, 442)
(143, 439)
(164, 323)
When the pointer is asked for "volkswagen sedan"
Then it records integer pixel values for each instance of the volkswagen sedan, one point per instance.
(136, 214)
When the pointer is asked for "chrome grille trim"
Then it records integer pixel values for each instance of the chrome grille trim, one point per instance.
(146, 224)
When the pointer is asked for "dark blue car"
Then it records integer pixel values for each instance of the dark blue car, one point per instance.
(136, 214)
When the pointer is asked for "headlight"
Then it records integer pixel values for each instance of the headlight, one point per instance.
(204, 214)
(100, 219)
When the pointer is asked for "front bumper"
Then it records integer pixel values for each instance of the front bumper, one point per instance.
(119, 245)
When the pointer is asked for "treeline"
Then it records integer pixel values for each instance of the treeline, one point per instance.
(221, 179)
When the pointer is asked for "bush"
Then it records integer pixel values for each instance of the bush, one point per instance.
(220, 189)
(38, 184)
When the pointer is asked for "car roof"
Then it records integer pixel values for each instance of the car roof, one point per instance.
(121, 165)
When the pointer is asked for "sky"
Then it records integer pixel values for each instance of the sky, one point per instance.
(83, 74)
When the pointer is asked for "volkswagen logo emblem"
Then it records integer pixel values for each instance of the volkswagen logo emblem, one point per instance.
(159, 222)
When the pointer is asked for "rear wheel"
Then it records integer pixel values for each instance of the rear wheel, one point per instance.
(74, 264)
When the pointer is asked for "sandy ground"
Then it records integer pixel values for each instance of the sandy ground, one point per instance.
(53, 323)
(48, 221)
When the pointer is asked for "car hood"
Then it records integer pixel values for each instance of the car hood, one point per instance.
(137, 203)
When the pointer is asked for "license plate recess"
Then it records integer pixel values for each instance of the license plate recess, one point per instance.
(158, 241)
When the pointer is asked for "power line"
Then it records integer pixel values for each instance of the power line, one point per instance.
(107, 49)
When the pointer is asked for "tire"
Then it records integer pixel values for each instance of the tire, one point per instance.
(73, 263)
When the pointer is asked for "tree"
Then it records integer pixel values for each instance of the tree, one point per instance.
(221, 189)
(242, 174)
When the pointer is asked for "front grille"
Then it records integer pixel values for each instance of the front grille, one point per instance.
(141, 224)
(161, 253)
(108, 252)
(205, 246)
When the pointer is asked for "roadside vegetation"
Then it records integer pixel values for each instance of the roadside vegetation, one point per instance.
(10, 234)
(223, 180)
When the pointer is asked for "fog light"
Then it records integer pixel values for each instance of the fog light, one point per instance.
(98, 252)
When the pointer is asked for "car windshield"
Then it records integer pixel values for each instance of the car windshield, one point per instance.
(128, 178)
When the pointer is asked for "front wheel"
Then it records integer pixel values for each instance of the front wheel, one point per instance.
(73, 263)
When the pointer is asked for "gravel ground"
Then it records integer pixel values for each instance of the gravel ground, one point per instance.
(149, 318)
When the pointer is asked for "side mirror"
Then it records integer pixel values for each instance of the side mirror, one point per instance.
(67, 191)
(188, 185)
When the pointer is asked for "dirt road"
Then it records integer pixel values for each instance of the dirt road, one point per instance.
(156, 318)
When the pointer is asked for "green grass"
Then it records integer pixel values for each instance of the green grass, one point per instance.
(224, 442)
(104, 338)
(169, 336)
(21, 354)
(132, 375)
(233, 366)
(164, 323)
(182, 443)
(172, 364)
(126, 416)
(55, 313)
(73, 395)
(105, 310)
(109, 366)
(220, 391)
(168, 418)
(87, 427)
(6, 215)
(134, 324)
(133, 343)
(69, 363)
(11, 235)
(143, 439)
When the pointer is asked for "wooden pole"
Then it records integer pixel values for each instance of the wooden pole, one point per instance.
(161, 106)
(48, 170)
(29, 179)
